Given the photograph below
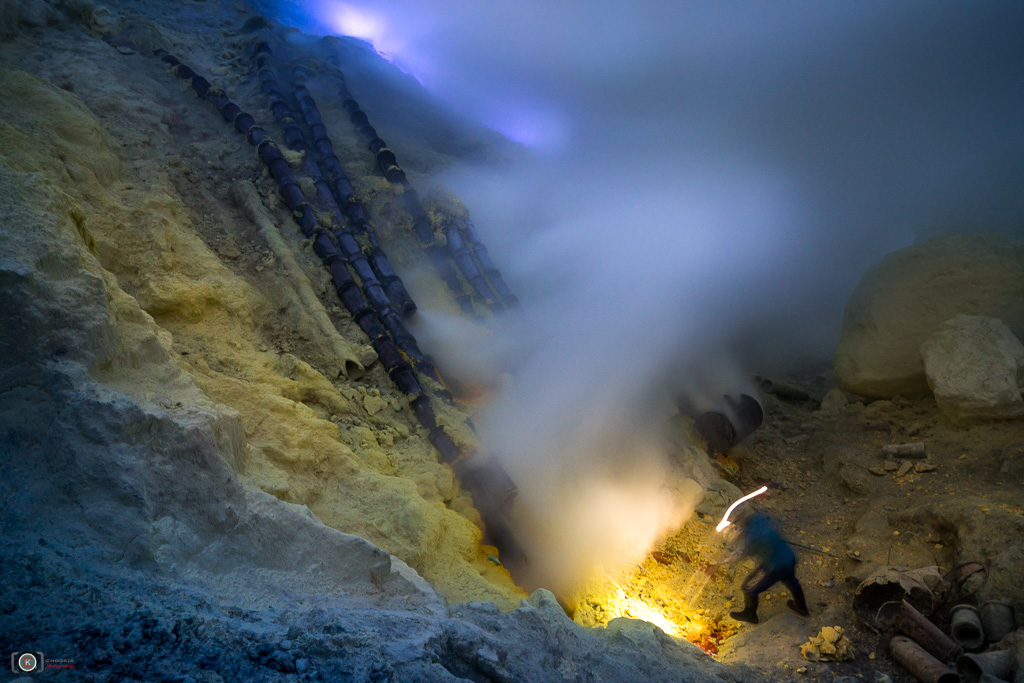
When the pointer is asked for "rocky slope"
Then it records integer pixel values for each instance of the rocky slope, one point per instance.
(207, 476)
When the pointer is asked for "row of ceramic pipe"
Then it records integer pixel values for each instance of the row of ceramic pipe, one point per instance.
(378, 281)
(492, 489)
(464, 245)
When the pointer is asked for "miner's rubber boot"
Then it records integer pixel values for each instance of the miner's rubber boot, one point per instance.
(749, 613)
(798, 604)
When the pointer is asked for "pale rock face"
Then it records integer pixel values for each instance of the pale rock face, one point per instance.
(905, 298)
(975, 367)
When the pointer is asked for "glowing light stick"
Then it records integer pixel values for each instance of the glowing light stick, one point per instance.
(725, 518)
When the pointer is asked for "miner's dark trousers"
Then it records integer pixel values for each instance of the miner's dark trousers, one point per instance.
(762, 579)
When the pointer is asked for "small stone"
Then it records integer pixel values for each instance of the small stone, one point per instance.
(905, 467)
(373, 404)
(877, 470)
(891, 465)
(801, 670)
(925, 467)
(834, 401)
(125, 50)
(301, 665)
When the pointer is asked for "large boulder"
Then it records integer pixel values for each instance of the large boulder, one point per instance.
(975, 367)
(905, 298)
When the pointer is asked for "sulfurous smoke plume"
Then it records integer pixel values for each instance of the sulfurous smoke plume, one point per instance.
(704, 186)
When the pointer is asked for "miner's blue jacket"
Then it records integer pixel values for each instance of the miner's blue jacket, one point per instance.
(762, 542)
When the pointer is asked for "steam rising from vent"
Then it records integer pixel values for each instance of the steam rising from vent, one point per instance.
(705, 185)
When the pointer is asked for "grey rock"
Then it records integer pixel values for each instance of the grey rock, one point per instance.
(975, 367)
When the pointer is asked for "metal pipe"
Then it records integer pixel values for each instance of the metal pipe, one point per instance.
(918, 627)
(919, 663)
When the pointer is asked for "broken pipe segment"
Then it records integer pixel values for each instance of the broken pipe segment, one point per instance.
(919, 663)
(736, 420)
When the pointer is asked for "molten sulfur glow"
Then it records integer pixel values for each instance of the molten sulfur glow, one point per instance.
(635, 608)
(725, 518)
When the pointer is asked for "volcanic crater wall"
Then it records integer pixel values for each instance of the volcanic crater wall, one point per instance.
(167, 372)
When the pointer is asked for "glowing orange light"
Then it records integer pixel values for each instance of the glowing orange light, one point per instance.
(635, 608)
(725, 518)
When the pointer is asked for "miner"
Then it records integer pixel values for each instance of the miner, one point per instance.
(759, 539)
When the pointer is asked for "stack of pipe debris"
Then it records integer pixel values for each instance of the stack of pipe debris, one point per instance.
(371, 300)
(464, 247)
(924, 649)
(990, 624)
(927, 652)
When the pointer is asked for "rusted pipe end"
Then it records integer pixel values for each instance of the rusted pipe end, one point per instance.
(919, 663)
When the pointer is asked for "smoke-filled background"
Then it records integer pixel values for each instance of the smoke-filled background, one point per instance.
(705, 184)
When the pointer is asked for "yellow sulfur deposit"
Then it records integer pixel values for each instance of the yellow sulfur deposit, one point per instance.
(230, 325)
(828, 646)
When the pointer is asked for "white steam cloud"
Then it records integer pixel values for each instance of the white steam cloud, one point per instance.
(706, 183)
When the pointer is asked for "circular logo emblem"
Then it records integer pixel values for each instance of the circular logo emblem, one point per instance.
(27, 662)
